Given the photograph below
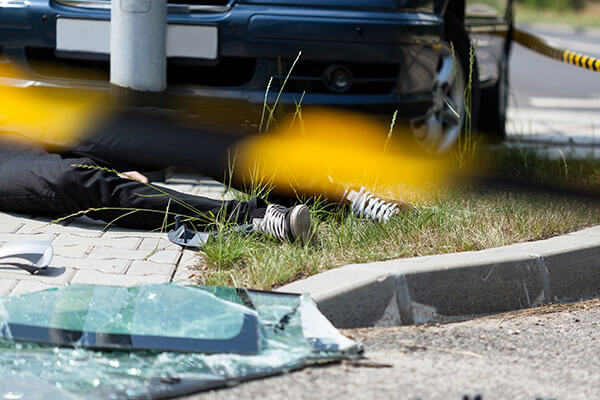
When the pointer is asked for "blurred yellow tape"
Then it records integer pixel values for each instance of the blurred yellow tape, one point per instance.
(540, 46)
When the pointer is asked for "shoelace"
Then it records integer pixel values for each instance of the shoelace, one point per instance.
(367, 205)
(273, 223)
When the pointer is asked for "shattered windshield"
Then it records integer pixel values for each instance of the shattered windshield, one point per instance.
(292, 333)
(152, 317)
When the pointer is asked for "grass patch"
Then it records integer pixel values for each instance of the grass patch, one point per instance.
(588, 15)
(578, 13)
(526, 166)
(460, 219)
(465, 217)
(556, 5)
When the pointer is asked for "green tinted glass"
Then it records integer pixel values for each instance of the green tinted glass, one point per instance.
(157, 317)
(292, 334)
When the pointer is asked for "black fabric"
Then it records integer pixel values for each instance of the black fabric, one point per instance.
(151, 140)
(36, 182)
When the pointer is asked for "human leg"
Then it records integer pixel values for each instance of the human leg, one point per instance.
(33, 181)
(150, 140)
(141, 139)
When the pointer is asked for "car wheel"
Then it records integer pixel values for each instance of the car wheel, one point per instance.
(494, 100)
(494, 103)
(440, 128)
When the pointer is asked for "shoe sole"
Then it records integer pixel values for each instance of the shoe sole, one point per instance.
(401, 206)
(300, 226)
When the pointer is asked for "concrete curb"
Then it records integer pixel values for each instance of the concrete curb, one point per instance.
(456, 286)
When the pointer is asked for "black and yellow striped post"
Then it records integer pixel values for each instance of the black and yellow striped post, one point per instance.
(570, 57)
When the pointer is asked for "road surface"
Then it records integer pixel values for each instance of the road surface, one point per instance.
(553, 101)
(545, 353)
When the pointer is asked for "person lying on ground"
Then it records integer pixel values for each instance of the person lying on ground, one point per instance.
(81, 179)
(36, 182)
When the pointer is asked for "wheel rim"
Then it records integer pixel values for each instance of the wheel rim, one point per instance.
(439, 129)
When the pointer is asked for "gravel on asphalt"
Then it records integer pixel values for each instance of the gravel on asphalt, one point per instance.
(545, 353)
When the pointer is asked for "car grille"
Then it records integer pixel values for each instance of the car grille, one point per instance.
(308, 76)
(228, 72)
(181, 5)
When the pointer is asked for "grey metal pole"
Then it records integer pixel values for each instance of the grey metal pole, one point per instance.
(138, 31)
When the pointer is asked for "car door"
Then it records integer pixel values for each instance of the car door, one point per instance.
(487, 21)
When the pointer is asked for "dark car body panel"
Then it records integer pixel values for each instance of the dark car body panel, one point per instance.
(412, 5)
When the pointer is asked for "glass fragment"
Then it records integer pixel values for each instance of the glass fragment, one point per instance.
(293, 334)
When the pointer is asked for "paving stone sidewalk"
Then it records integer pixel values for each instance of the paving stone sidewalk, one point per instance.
(84, 252)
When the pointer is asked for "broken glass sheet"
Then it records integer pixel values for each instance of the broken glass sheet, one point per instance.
(152, 317)
(293, 334)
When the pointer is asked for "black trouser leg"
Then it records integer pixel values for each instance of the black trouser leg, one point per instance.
(141, 140)
(33, 181)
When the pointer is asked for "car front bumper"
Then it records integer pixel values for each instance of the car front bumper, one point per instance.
(266, 39)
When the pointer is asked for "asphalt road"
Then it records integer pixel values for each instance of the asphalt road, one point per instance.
(553, 100)
(545, 353)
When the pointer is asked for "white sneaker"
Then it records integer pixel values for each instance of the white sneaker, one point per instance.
(285, 223)
(365, 204)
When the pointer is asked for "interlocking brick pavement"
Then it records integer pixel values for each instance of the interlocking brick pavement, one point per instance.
(86, 253)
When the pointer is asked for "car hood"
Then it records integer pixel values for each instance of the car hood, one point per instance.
(373, 4)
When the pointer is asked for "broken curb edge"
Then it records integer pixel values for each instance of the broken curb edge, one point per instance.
(457, 286)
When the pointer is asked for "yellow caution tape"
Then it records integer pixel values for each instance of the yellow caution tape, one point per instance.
(540, 46)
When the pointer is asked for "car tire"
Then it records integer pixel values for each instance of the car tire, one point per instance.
(494, 103)
(437, 132)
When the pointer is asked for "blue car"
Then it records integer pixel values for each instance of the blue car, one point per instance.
(377, 56)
